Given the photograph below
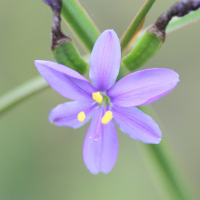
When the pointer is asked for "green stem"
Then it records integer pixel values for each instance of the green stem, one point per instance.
(135, 24)
(21, 93)
(80, 22)
(162, 163)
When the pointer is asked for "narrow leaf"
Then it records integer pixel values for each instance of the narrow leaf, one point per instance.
(136, 33)
(80, 22)
(136, 23)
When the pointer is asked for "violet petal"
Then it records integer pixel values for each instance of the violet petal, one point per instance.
(143, 87)
(105, 60)
(137, 125)
(66, 114)
(100, 156)
(66, 81)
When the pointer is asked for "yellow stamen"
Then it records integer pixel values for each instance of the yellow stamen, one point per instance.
(107, 117)
(81, 116)
(97, 97)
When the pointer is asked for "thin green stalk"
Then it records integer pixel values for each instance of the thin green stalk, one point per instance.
(163, 164)
(80, 22)
(135, 24)
(22, 92)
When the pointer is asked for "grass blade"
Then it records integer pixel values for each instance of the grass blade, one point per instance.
(136, 23)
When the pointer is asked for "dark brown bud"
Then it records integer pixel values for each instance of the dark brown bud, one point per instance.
(57, 36)
(179, 9)
(55, 4)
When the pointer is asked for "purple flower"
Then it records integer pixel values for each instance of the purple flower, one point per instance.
(106, 101)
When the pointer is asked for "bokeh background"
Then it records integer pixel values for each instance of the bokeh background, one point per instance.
(40, 161)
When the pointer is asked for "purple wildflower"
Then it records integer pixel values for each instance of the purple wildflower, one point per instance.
(105, 101)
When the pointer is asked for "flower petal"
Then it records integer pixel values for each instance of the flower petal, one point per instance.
(66, 114)
(65, 81)
(137, 125)
(100, 156)
(105, 60)
(143, 87)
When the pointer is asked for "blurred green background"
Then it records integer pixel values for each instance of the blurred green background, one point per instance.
(40, 161)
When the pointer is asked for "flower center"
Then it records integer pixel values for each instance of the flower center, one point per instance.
(104, 101)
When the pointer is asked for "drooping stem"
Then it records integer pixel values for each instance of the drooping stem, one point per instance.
(57, 36)
(179, 9)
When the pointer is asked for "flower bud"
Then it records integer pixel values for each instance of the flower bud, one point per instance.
(64, 51)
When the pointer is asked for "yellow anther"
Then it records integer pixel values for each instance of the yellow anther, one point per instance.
(107, 117)
(97, 97)
(81, 116)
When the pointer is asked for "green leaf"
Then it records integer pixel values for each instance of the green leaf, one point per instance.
(22, 92)
(135, 24)
(80, 22)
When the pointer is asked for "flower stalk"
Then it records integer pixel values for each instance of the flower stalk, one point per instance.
(163, 166)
